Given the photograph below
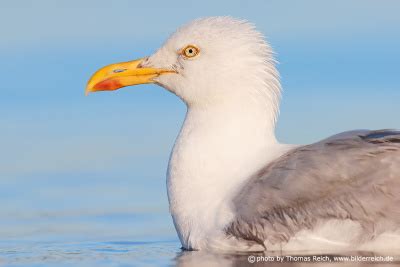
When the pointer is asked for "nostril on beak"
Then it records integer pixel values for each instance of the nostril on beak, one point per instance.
(119, 70)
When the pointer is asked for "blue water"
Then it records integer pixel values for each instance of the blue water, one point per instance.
(85, 219)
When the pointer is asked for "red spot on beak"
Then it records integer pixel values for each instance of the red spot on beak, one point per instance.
(108, 85)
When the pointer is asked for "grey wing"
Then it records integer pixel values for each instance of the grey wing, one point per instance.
(353, 175)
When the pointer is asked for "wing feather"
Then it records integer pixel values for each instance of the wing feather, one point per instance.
(354, 175)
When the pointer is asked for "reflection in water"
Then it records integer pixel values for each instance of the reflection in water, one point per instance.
(137, 253)
(200, 258)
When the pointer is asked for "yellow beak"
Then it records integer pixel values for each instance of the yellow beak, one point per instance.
(115, 76)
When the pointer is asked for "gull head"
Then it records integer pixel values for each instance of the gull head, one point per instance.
(205, 61)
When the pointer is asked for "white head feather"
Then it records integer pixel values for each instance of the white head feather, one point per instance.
(234, 61)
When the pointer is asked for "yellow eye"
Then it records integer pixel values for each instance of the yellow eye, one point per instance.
(190, 51)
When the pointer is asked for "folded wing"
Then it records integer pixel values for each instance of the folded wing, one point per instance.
(353, 175)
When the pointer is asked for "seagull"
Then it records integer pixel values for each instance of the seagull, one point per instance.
(231, 185)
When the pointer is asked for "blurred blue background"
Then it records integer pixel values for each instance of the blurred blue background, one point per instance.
(93, 168)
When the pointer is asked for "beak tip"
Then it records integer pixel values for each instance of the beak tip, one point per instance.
(87, 91)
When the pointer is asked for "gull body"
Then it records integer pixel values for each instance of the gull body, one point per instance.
(224, 71)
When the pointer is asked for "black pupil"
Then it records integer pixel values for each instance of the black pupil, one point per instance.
(190, 51)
